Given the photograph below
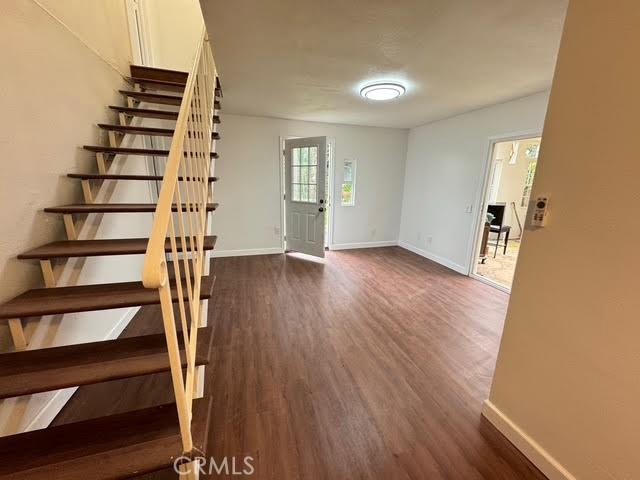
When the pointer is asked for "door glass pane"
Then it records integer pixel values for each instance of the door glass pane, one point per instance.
(304, 174)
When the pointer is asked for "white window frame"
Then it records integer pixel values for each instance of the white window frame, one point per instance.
(354, 169)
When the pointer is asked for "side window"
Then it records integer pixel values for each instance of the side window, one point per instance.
(349, 183)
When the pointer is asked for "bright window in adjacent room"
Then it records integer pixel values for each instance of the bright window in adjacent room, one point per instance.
(304, 174)
(349, 183)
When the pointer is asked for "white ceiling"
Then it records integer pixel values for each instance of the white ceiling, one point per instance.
(307, 59)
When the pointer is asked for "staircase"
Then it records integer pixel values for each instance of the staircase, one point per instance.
(174, 276)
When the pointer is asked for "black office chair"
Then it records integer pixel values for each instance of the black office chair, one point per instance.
(497, 225)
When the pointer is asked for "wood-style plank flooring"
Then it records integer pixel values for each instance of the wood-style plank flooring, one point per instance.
(371, 364)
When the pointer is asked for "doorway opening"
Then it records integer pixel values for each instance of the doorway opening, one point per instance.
(307, 201)
(510, 175)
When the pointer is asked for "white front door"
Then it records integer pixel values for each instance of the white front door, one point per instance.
(305, 201)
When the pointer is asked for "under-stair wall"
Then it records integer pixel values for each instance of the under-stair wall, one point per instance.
(64, 65)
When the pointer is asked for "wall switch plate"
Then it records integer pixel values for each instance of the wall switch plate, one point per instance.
(540, 211)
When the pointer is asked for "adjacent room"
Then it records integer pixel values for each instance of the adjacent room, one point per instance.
(512, 169)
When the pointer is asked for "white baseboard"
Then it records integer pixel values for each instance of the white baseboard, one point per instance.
(59, 398)
(349, 246)
(527, 445)
(246, 252)
(432, 256)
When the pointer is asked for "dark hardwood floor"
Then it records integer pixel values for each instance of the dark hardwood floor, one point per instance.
(371, 364)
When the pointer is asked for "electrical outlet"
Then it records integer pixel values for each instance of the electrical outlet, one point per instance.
(429, 240)
(276, 231)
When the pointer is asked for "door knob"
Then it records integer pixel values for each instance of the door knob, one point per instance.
(321, 200)
(321, 209)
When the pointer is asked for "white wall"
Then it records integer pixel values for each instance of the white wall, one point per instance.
(59, 74)
(174, 31)
(567, 379)
(249, 186)
(444, 175)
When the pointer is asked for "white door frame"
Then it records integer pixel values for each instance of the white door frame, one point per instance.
(141, 51)
(331, 191)
(481, 200)
(142, 54)
(330, 187)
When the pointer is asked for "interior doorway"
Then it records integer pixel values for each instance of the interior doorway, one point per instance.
(306, 185)
(510, 174)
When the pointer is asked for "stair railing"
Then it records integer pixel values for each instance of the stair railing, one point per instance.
(181, 219)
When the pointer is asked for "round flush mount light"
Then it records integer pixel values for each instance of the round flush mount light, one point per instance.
(382, 91)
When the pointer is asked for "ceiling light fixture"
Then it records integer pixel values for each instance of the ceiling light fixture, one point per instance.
(382, 91)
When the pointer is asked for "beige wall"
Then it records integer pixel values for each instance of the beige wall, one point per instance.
(54, 90)
(58, 76)
(568, 372)
(175, 27)
(101, 25)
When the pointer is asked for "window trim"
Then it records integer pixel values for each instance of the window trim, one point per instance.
(354, 169)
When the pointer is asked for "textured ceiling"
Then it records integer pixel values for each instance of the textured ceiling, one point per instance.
(306, 60)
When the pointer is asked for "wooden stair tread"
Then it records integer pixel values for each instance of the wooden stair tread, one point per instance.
(105, 448)
(145, 112)
(109, 176)
(157, 84)
(160, 132)
(46, 369)
(166, 85)
(162, 74)
(116, 208)
(160, 98)
(92, 248)
(133, 151)
(151, 113)
(84, 298)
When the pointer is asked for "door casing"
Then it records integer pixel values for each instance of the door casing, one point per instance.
(330, 188)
